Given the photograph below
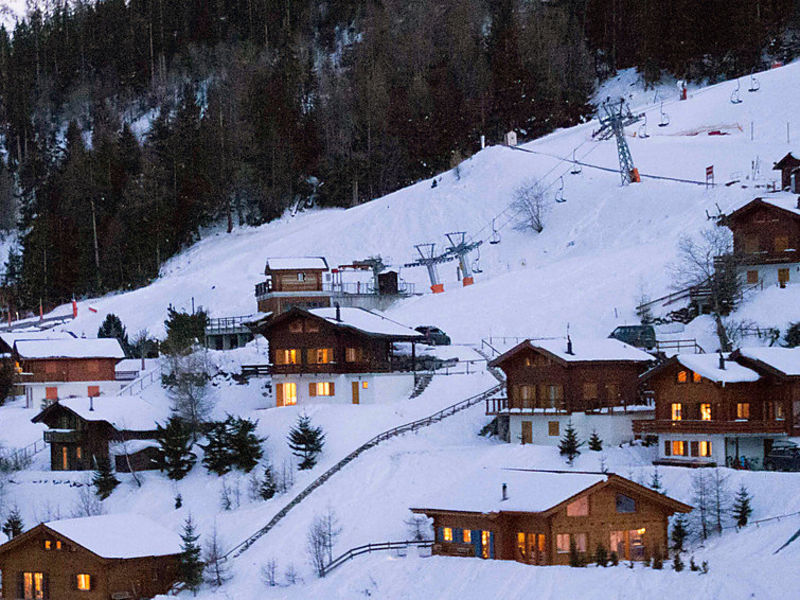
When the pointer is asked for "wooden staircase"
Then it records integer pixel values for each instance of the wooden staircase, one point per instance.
(421, 382)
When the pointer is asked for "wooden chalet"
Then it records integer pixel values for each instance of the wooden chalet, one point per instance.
(723, 409)
(534, 516)
(293, 282)
(788, 165)
(57, 368)
(766, 239)
(82, 431)
(549, 382)
(122, 557)
(309, 350)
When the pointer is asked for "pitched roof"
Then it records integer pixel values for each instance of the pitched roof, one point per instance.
(11, 337)
(783, 361)
(70, 348)
(299, 263)
(788, 159)
(367, 322)
(123, 413)
(583, 350)
(784, 201)
(707, 366)
(527, 491)
(119, 535)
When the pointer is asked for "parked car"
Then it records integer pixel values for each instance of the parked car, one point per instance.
(784, 456)
(641, 336)
(433, 335)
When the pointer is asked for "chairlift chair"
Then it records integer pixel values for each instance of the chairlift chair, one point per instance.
(560, 192)
(664, 116)
(735, 99)
(576, 167)
(755, 84)
(476, 264)
(643, 128)
(495, 237)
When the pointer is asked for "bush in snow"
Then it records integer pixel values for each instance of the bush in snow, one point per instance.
(792, 337)
(419, 528)
(175, 440)
(13, 525)
(190, 567)
(87, 504)
(269, 573)
(693, 565)
(595, 443)
(742, 510)
(677, 563)
(306, 442)
(104, 480)
(6, 378)
(576, 558)
(614, 558)
(601, 556)
(569, 445)
(655, 482)
(530, 205)
(658, 560)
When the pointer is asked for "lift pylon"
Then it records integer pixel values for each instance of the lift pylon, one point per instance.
(613, 120)
(460, 249)
(429, 259)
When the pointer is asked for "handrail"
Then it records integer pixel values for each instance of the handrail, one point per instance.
(143, 381)
(381, 437)
(13, 455)
(368, 549)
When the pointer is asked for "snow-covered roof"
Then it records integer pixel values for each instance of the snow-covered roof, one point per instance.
(10, 338)
(130, 413)
(132, 446)
(785, 360)
(370, 322)
(119, 536)
(135, 364)
(707, 365)
(784, 200)
(583, 349)
(70, 348)
(299, 263)
(527, 491)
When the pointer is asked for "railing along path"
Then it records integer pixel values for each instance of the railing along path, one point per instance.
(369, 548)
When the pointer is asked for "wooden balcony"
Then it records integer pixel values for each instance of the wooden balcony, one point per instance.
(64, 436)
(734, 427)
(502, 406)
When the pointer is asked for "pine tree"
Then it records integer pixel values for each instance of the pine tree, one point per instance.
(245, 444)
(112, 327)
(575, 557)
(655, 482)
(13, 525)
(569, 445)
(601, 556)
(595, 443)
(267, 487)
(614, 559)
(190, 567)
(306, 442)
(741, 507)
(175, 440)
(677, 563)
(792, 337)
(679, 533)
(693, 565)
(218, 458)
(104, 480)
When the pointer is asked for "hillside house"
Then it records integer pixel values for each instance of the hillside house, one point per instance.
(293, 282)
(81, 431)
(532, 517)
(766, 239)
(593, 383)
(122, 556)
(342, 355)
(788, 166)
(53, 369)
(723, 409)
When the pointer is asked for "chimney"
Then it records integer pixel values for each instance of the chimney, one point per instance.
(721, 362)
(505, 492)
(569, 345)
(338, 312)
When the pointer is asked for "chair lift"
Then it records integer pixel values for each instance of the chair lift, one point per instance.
(664, 117)
(495, 237)
(755, 84)
(576, 167)
(643, 128)
(476, 264)
(560, 192)
(735, 99)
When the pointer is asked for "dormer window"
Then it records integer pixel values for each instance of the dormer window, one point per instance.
(625, 504)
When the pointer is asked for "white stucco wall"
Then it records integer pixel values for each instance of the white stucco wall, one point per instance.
(613, 429)
(769, 273)
(36, 393)
(751, 447)
(381, 387)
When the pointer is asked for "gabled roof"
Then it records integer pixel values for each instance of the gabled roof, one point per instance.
(123, 413)
(583, 350)
(782, 201)
(70, 348)
(531, 491)
(788, 160)
(119, 536)
(360, 320)
(299, 263)
(782, 362)
(707, 365)
(10, 337)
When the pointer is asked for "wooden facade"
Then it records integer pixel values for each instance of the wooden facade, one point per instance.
(42, 564)
(787, 165)
(69, 369)
(764, 233)
(618, 514)
(285, 288)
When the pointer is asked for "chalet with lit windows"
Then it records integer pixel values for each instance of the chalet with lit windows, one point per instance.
(293, 282)
(789, 166)
(82, 431)
(122, 556)
(591, 382)
(766, 239)
(534, 516)
(7, 341)
(719, 409)
(53, 369)
(342, 355)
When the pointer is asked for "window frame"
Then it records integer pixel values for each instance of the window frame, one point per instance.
(620, 503)
(579, 507)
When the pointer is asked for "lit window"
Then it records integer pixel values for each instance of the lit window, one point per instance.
(286, 394)
(58, 544)
(678, 448)
(321, 388)
(625, 504)
(466, 536)
(33, 585)
(683, 376)
(705, 448)
(521, 543)
(705, 412)
(286, 357)
(696, 377)
(319, 356)
(578, 508)
(448, 534)
(48, 545)
(743, 410)
(677, 409)
(562, 543)
(79, 453)
(365, 384)
(84, 582)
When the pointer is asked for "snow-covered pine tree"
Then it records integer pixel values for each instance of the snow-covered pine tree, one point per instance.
(13, 525)
(268, 486)
(655, 482)
(742, 510)
(306, 442)
(104, 480)
(190, 567)
(218, 457)
(569, 445)
(679, 533)
(175, 440)
(595, 443)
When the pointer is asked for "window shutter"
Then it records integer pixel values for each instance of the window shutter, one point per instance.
(20, 585)
(457, 537)
(312, 389)
(279, 401)
(91, 582)
(439, 536)
(476, 541)
(491, 544)
(333, 392)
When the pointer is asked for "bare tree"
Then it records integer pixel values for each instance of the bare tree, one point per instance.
(530, 205)
(321, 537)
(419, 528)
(720, 497)
(187, 383)
(709, 264)
(87, 503)
(216, 571)
(291, 575)
(702, 498)
(269, 572)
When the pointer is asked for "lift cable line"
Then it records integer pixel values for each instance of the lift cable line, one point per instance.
(613, 120)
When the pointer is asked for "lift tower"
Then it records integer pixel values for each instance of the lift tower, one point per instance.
(460, 249)
(429, 259)
(614, 117)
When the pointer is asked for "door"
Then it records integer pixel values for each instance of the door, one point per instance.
(527, 432)
(783, 277)
(486, 544)
(355, 385)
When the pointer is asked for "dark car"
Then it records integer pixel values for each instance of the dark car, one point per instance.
(641, 336)
(783, 457)
(433, 335)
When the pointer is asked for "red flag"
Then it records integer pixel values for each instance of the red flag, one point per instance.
(74, 309)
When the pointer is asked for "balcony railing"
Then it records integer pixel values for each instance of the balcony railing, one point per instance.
(63, 436)
(668, 426)
(765, 257)
(496, 406)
